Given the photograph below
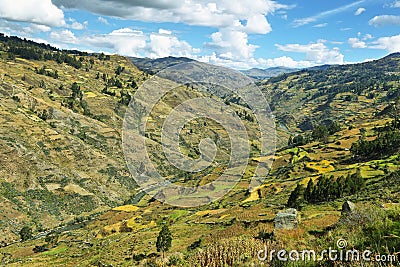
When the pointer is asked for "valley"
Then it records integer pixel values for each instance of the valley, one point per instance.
(63, 173)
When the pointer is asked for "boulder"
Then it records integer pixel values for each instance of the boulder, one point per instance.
(287, 219)
(348, 207)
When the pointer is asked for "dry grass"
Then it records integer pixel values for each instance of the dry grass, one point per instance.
(127, 208)
(321, 167)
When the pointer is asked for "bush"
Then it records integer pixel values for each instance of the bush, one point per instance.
(25, 233)
(177, 259)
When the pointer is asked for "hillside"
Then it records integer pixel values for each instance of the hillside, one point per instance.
(264, 74)
(60, 134)
(153, 66)
(64, 176)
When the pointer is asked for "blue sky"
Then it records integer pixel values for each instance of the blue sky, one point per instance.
(235, 33)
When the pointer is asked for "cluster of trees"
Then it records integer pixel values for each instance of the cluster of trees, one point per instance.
(43, 71)
(75, 100)
(326, 189)
(32, 53)
(67, 59)
(245, 115)
(115, 82)
(125, 98)
(103, 57)
(320, 133)
(385, 144)
(119, 70)
(30, 50)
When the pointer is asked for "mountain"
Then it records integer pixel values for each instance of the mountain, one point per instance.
(153, 66)
(68, 198)
(263, 74)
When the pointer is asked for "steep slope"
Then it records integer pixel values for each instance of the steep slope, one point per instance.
(60, 135)
(307, 98)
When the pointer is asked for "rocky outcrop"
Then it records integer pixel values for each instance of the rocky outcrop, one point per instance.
(348, 207)
(287, 219)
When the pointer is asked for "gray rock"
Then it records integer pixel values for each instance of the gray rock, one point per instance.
(348, 207)
(287, 219)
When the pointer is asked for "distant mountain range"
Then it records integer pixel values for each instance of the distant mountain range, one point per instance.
(263, 74)
(154, 65)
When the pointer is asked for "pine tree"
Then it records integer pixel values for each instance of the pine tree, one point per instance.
(294, 198)
(164, 240)
(308, 192)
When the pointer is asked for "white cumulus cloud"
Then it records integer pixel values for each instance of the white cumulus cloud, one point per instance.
(316, 53)
(390, 43)
(64, 36)
(385, 20)
(42, 12)
(232, 44)
(129, 42)
(164, 43)
(218, 14)
(357, 43)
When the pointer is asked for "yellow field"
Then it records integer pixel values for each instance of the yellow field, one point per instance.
(126, 208)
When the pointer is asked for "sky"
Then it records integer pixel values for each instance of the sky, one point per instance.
(241, 34)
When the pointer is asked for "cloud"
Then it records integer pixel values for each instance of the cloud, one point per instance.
(42, 12)
(123, 41)
(22, 30)
(360, 11)
(231, 44)
(234, 21)
(258, 24)
(75, 25)
(284, 61)
(396, 4)
(357, 43)
(64, 36)
(35, 28)
(129, 42)
(368, 37)
(321, 25)
(304, 21)
(316, 53)
(385, 20)
(164, 43)
(103, 21)
(390, 44)
(218, 14)
(254, 63)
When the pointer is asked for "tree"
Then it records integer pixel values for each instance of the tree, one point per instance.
(25, 233)
(321, 133)
(308, 193)
(164, 240)
(294, 200)
(119, 70)
(76, 91)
